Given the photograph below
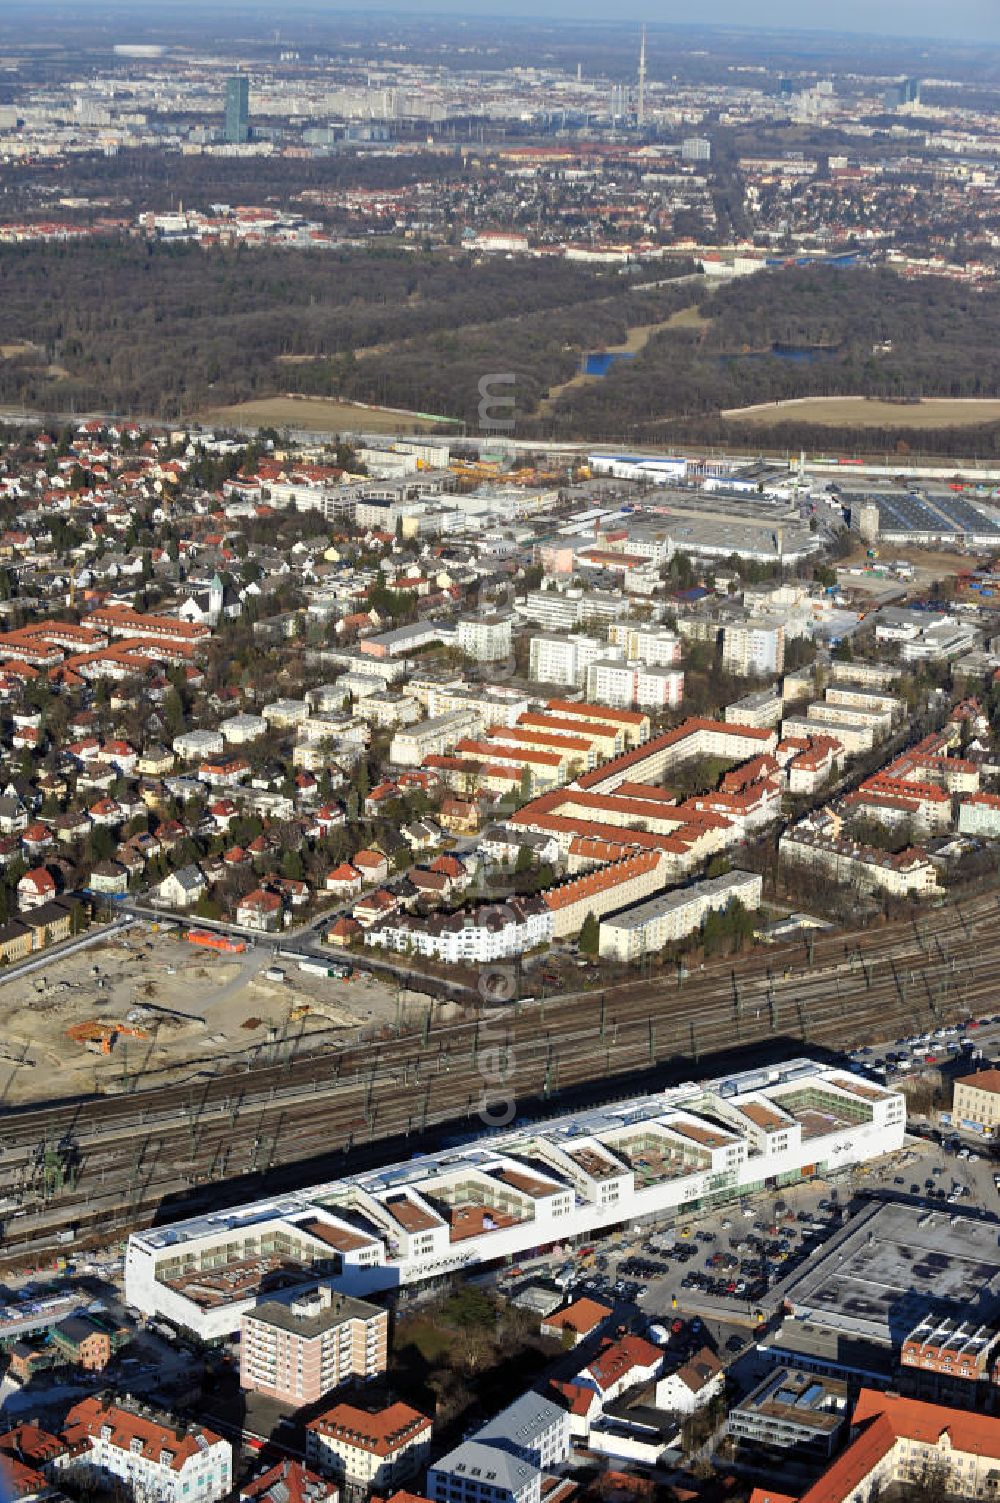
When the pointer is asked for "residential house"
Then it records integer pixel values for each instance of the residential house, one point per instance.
(261, 910)
(345, 881)
(696, 1383)
(183, 888)
(36, 887)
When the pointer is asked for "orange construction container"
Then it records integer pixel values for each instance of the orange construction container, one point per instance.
(220, 942)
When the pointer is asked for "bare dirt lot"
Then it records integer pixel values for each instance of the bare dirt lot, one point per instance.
(928, 564)
(936, 561)
(320, 415)
(835, 412)
(172, 1010)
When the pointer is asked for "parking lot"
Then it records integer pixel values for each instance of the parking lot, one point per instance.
(957, 1044)
(728, 1266)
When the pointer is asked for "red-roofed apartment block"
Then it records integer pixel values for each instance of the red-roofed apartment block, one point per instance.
(170, 1461)
(906, 1441)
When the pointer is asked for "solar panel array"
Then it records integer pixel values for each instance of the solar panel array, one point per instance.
(939, 515)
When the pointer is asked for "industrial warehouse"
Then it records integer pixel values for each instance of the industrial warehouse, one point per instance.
(924, 518)
(644, 1159)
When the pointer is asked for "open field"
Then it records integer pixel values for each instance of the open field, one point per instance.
(320, 415)
(838, 412)
(687, 318)
(176, 1008)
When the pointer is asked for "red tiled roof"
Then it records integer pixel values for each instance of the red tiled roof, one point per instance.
(603, 879)
(86, 1420)
(659, 743)
(380, 1433)
(288, 1482)
(985, 1080)
(604, 713)
(582, 1316)
(620, 1357)
(886, 1418)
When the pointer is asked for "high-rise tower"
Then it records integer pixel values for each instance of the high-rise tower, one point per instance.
(238, 110)
(640, 114)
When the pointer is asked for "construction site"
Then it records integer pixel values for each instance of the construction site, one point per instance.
(143, 1008)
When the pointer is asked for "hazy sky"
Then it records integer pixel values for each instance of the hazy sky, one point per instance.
(970, 20)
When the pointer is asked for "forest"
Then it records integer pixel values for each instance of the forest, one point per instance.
(797, 333)
(166, 331)
(149, 180)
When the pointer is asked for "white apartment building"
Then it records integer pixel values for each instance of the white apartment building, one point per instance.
(767, 599)
(873, 675)
(627, 686)
(554, 659)
(331, 725)
(285, 713)
(384, 464)
(907, 873)
(495, 705)
(429, 456)
(945, 639)
(753, 648)
(385, 709)
(979, 814)
(533, 1427)
(376, 1452)
(853, 697)
(853, 738)
(562, 610)
(655, 646)
(195, 746)
(412, 744)
(487, 639)
(671, 916)
(386, 515)
(646, 1159)
(553, 610)
(760, 710)
(240, 729)
(831, 713)
(156, 1459)
(310, 756)
(495, 931)
(478, 1473)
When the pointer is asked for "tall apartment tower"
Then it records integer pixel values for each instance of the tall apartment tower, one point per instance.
(640, 114)
(238, 110)
(869, 520)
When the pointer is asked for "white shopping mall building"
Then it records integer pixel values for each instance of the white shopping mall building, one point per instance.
(643, 1160)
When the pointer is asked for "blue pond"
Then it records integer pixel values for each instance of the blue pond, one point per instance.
(809, 354)
(599, 362)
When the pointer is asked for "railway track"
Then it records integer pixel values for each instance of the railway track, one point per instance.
(108, 1164)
